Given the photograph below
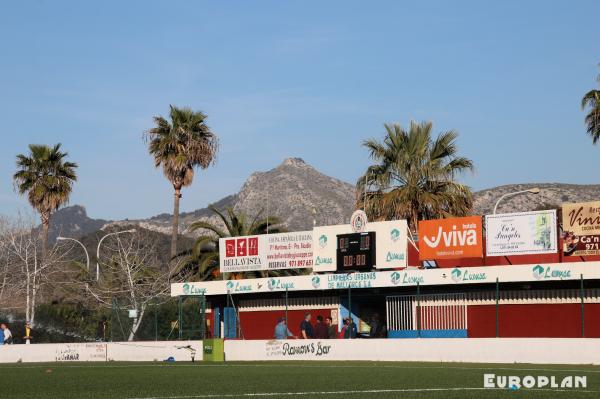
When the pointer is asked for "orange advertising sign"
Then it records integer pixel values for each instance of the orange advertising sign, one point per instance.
(450, 238)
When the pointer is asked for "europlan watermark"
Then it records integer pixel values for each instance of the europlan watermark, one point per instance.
(515, 382)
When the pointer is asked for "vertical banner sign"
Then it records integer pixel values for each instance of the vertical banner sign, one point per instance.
(266, 252)
(325, 246)
(450, 238)
(521, 233)
(392, 244)
(581, 228)
(391, 247)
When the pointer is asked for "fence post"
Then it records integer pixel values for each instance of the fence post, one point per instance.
(582, 307)
(497, 308)
(180, 318)
(418, 310)
(287, 322)
(203, 316)
(155, 322)
(350, 310)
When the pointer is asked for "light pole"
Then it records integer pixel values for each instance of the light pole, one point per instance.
(534, 190)
(98, 249)
(87, 255)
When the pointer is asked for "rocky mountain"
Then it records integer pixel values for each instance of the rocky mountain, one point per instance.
(294, 191)
(73, 221)
(299, 195)
(551, 195)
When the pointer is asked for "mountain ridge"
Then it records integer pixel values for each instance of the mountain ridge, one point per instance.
(301, 196)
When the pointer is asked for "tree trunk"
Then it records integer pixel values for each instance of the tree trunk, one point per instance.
(45, 230)
(175, 230)
(136, 323)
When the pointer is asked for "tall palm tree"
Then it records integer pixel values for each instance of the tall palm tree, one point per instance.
(202, 263)
(592, 119)
(47, 179)
(414, 176)
(179, 146)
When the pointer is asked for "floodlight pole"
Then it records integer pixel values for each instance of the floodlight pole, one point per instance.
(87, 255)
(534, 190)
(98, 249)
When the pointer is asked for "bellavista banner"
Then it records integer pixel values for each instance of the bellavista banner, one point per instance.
(451, 238)
(266, 252)
(521, 233)
(581, 228)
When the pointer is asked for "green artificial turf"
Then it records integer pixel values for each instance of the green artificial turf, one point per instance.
(277, 380)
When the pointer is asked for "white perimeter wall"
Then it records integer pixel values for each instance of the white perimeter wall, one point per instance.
(100, 352)
(476, 350)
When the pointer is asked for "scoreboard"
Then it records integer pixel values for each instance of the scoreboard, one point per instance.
(356, 251)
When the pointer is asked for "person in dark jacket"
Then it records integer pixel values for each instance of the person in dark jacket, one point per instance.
(331, 330)
(320, 328)
(350, 330)
(306, 329)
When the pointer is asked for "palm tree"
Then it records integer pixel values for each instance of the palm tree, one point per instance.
(47, 179)
(202, 262)
(592, 119)
(179, 146)
(414, 176)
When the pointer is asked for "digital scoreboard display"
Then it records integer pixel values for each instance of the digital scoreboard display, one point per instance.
(355, 251)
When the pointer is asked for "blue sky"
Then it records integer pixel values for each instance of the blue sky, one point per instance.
(293, 78)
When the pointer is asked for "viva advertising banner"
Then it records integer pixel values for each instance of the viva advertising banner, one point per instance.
(581, 228)
(451, 238)
(266, 252)
(521, 233)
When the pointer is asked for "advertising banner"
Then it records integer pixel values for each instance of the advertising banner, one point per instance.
(451, 238)
(391, 244)
(325, 246)
(266, 252)
(521, 233)
(393, 278)
(581, 228)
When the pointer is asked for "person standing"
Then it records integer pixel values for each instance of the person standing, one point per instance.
(1, 336)
(8, 338)
(331, 333)
(350, 331)
(306, 329)
(320, 328)
(375, 326)
(281, 330)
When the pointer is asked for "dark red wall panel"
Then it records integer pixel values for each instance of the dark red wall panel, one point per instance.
(261, 325)
(534, 320)
(481, 321)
